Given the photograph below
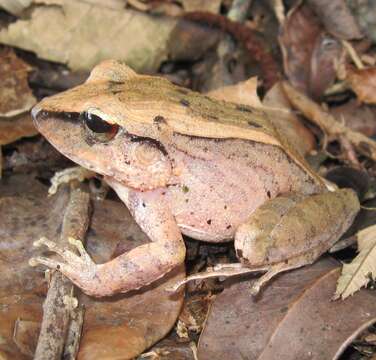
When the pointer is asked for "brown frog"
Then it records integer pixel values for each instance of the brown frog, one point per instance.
(184, 163)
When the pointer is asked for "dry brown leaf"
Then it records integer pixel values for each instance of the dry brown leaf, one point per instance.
(362, 269)
(287, 122)
(81, 34)
(16, 98)
(308, 52)
(293, 318)
(119, 327)
(15, 94)
(337, 18)
(16, 128)
(363, 83)
(244, 92)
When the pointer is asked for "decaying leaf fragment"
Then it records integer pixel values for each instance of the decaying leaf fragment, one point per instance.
(362, 269)
(363, 83)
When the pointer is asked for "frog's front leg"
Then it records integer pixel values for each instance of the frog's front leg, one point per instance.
(136, 268)
(294, 230)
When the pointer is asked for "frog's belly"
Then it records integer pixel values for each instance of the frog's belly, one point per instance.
(219, 192)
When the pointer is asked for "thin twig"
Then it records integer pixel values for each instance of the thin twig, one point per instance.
(58, 303)
(239, 9)
(353, 54)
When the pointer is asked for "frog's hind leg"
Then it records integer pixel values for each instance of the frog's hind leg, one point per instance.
(293, 230)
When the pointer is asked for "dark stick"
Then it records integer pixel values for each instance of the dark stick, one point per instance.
(56, 308)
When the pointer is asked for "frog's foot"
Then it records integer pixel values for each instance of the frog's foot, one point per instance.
(67, 175)
(80, 269)
(264, 279)
(273, 270)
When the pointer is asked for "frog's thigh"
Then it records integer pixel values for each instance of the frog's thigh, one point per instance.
(295, 226)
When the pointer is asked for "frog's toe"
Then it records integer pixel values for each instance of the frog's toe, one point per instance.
(83, 260)
(79, 271)
(85, 257)
(50, 263)
(255, 288)
(264, 279)
(51, 245)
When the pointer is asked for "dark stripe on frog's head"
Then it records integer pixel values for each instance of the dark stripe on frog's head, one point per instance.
(244, 108)
(151, 141)
(42, 115)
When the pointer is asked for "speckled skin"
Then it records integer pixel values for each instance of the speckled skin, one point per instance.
(173, 181)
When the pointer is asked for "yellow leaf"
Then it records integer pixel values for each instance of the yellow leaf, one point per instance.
(362, 269)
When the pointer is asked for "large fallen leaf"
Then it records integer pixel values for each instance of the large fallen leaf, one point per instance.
(309, 54)
(119, 327)
(362, 269)
(81, 34)
(363, 83)
(294, 318)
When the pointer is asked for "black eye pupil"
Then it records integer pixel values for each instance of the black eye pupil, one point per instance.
(96, 124)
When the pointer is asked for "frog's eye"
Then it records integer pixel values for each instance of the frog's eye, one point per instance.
(101, 130)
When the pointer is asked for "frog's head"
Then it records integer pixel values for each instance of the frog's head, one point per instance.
(100, 126)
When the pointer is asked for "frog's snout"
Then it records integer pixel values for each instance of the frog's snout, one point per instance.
(35, 111)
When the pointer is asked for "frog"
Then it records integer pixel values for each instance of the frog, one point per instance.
(186, 164)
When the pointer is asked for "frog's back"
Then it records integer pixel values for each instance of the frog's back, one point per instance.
(190, 113)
